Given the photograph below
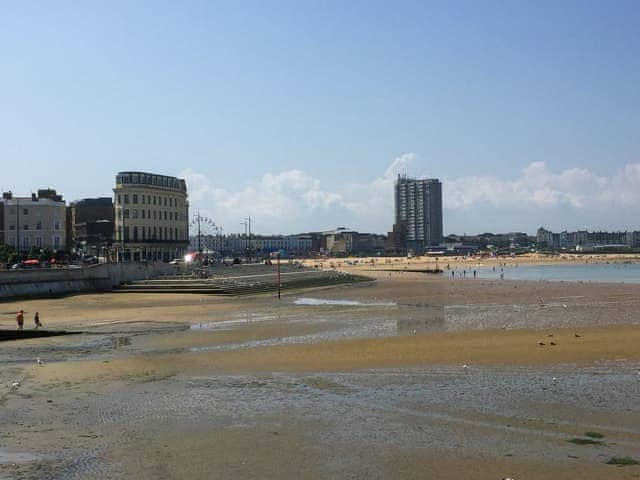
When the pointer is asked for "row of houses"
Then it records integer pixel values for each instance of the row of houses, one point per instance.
(341, 241)
(584, 240)
(146, 219)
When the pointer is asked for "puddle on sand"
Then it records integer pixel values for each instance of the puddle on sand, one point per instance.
(351, 303)
(243, 319)
(17, 457)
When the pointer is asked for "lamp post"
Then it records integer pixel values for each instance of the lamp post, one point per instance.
(279, 284)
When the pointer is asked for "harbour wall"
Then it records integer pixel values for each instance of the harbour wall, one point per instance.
(94, 278)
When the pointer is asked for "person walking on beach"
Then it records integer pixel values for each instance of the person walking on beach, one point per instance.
(36, 320)
(20, 319)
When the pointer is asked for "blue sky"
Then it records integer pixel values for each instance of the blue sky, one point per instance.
(301, 113)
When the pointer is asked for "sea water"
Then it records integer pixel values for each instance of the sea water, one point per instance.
(586, 272)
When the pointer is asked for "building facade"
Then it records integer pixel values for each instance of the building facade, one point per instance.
(584, 239)
(36, 221)
(418, 210)
(91, 222)
(151, 216)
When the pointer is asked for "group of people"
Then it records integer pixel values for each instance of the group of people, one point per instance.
(20, 319)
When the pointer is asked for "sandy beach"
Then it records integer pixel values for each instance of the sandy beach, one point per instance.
(410, 376)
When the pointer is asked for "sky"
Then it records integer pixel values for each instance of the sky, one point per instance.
(300, 114)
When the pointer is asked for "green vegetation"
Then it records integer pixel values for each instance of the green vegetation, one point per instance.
(585, 441)
(42, 254)
(8, 254)
(623, 461)
(593, 435)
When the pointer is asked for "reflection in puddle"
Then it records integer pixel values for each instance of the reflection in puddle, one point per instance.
(354, 303)
(118, 342)
(430, 318)
(15, 457)
(243, 319)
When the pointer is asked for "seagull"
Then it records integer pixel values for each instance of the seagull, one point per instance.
(554, 379)
(415, 331)
(15, 384)
(576, 335)
(465, 366)
(541, 343)
(564, 305)
(552, 343)
(39, 362)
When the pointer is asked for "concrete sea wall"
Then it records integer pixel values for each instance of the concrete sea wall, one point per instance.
(94, 278)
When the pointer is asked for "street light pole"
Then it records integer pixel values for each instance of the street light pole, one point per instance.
(279, 284)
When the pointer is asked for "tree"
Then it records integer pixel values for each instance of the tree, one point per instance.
(8, 254)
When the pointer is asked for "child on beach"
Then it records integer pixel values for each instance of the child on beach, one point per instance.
(36, 320)
(20, 319)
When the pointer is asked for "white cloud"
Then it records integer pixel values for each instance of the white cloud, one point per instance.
(293, 201)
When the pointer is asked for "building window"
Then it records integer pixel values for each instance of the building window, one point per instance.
(25, 211)
(39, 226)
(154, 199)
(25, 243)
(126, 198)
(135, 234)
(142, 211)
(149, 214)
(126, 213)
(119, 199)
(142, 199)
(155, 233)
(135, 213)
(56, 224)
(12, 227)
(154, 214)
(165, 201)
(165, 214)
(25, 226)
(143, 231)
(149, 199)
(39, 242)
(135, 198)
(56, 242)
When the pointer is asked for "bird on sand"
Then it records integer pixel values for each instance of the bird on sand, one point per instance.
(15, 384)
(465, 366)
(552, 343)
(39, 362)
(564, 305)
(577, 335)
(541, 343)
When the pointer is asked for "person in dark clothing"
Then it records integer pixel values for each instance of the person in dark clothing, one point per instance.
(36, 320)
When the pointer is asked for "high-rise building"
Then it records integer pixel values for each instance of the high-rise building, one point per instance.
(152, 216)
(418, 205)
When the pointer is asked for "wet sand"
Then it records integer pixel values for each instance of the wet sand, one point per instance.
(420, 377)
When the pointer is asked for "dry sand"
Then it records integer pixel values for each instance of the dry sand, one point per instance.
(376, 390)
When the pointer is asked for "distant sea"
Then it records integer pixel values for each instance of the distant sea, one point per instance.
(602, 273)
